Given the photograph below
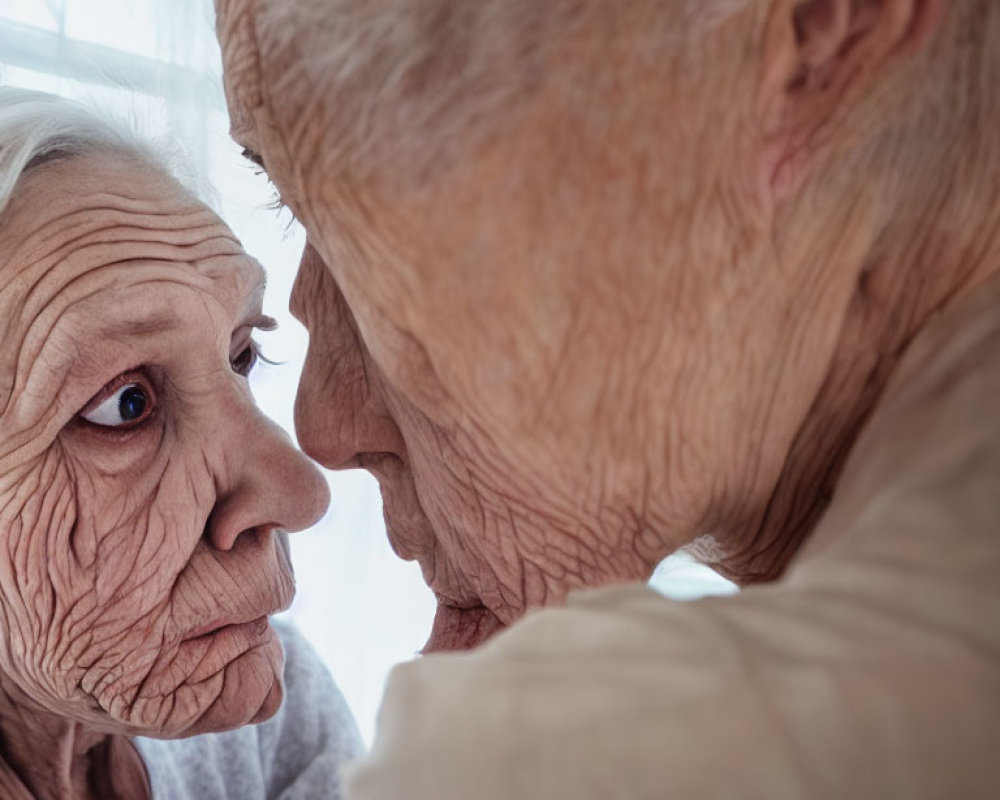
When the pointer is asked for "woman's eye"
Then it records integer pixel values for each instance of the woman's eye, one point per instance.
(128, 406)
(245, 361)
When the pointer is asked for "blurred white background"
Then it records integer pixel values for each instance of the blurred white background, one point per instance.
(157, 64)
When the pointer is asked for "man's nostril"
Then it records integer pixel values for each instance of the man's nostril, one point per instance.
(371, 460)
(384, 466)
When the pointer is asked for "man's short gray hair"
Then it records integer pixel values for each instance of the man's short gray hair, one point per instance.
(425, 80)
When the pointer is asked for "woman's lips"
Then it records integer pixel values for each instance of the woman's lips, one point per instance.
(212, 651)
(255, 627)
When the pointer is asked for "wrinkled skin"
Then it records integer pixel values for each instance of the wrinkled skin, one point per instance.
(127, 548)
(605, 324)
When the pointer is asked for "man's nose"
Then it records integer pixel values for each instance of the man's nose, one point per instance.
(340, 412)
(266, 482)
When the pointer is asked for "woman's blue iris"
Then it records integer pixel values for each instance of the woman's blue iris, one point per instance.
(132, 403)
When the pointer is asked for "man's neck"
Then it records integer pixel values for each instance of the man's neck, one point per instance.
(889, 309)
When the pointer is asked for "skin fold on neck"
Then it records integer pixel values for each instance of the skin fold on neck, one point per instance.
(897, 294)
(45, 756)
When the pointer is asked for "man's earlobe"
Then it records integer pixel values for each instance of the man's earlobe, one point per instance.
(820, 55)
(822, 30)
(837, 39)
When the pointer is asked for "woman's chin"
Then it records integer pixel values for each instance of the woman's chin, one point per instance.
(251, 691)
(271, 704)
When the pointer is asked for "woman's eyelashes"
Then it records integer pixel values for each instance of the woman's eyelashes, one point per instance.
(250, 353)
(125, 403)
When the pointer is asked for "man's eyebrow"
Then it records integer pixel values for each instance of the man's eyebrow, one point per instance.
(253, 157)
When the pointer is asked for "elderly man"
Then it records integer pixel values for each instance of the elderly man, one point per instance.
(588, 282)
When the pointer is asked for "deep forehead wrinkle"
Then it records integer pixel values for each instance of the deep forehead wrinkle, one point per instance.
(88, 239)
(142, 197)
(33, 277)
(188, 233)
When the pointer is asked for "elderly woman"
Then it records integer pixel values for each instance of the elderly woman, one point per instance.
(588, 282)
(143, 497)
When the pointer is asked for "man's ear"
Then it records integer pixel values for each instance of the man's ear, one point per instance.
(819, 56)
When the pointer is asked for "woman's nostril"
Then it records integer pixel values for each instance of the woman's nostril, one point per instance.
(248, 537)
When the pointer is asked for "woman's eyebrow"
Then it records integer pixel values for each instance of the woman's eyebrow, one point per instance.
(263, 322)
(98, 335)
(253, 316)
(148, 326)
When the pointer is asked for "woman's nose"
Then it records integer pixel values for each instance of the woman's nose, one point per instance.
(339, 410)
(268, 483)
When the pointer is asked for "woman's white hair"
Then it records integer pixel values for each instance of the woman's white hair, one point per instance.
(36, 128)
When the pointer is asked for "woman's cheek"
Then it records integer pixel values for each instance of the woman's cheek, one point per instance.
(43, 580)
(142, 509)
(86, 567)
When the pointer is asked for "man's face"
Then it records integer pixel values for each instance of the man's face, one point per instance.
(143, 497)
(541, 333)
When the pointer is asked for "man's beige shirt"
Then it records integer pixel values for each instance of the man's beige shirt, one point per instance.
(870, 670)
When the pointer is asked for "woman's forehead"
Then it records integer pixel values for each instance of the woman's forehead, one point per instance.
(72, 221)
(94, 247)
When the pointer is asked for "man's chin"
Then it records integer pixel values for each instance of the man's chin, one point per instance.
(461, 628)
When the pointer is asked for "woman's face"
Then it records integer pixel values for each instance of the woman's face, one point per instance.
(143, 497)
